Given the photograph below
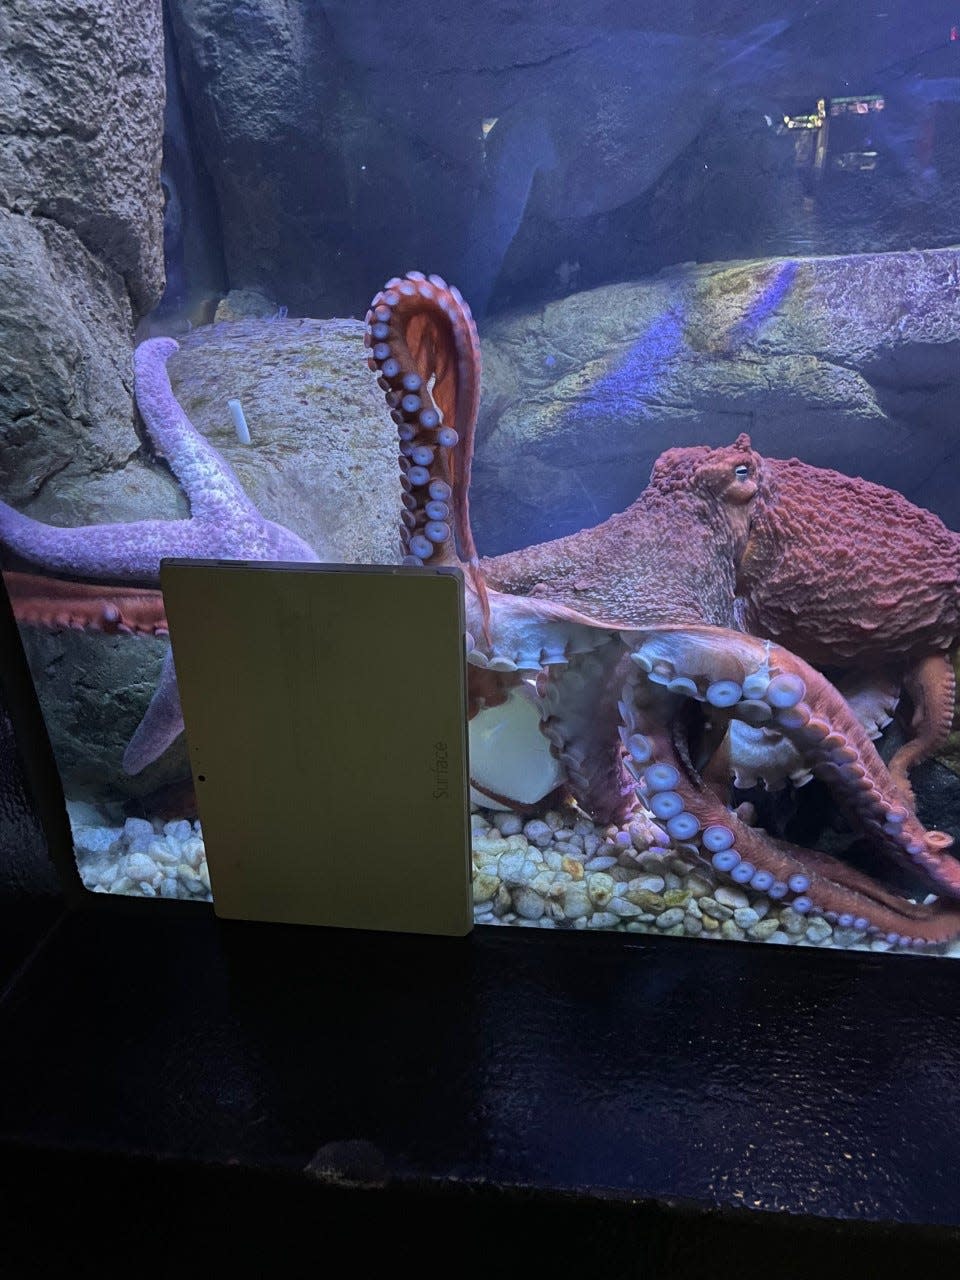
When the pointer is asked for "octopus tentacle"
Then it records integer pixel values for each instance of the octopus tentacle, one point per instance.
(763, 683)
(55, 602)
(932, 687)
(872, 697)
(583, 720)
(802, 878)
(424, 345)
(720, 539)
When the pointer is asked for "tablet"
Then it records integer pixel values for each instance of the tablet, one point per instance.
(325, 710)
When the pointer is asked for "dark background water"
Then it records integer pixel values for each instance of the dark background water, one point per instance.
(526, 151)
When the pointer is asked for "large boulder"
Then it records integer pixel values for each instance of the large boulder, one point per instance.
(322, 461)
(81, 119)
(66, 407)
(846, 362)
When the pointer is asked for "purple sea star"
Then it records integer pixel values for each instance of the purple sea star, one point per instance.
(223, 524)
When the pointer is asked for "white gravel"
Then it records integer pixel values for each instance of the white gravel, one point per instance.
(140, 859)
(558, 872)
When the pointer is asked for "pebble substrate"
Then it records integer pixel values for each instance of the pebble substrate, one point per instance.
(144, 859)
(555, 872)
(561, 872)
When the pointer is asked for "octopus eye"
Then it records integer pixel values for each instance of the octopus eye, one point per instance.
(742, 472)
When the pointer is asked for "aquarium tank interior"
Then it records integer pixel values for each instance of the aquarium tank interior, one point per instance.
(646, 316)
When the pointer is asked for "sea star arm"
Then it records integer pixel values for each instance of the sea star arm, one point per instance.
(161, 725)
(223, 524)
(120, 551)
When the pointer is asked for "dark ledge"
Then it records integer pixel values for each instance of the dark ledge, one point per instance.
(178, 1091)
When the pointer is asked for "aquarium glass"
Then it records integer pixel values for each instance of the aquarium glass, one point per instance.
(703, 490)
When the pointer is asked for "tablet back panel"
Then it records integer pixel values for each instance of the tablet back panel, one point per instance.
(326, 719)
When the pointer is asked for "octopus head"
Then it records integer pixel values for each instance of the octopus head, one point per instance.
(729, 477)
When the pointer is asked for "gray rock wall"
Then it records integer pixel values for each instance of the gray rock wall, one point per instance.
(81, 119)
(81, 108)
(851, 363)
(267, 94)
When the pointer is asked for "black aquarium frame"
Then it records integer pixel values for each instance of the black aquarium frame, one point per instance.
(182, 1093)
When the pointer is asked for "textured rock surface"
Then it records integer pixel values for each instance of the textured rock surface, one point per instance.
(318, 122)
(322, 461)
(267, 93)
(323, 455)
(81, 115)
(81, 111)
(847, 362)
(65, 378)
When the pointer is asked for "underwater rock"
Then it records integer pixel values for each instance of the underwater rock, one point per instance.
(270, 104)
(524, 150)
(81, 253)
(321, 123)
(81, 120)
(848, 362)
(323, 454)
(25, 867)
(322, 460)
(243, 304)
(66, 408)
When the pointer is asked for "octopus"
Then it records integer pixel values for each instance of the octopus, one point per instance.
(747, 621)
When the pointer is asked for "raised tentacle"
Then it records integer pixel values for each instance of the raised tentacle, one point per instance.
(424, 345)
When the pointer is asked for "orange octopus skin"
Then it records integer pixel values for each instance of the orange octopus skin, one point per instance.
(844, 571)
(40, 601)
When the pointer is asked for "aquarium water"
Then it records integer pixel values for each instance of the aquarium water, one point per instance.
(645, 316)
